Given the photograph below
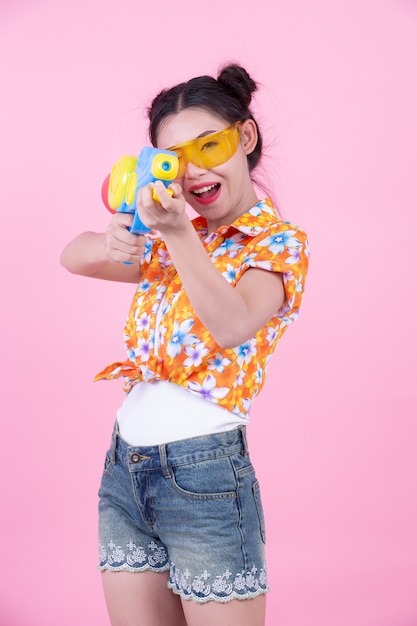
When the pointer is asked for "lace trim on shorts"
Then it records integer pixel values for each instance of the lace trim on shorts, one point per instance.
(135, 558)
(203, 588)
(221, 588)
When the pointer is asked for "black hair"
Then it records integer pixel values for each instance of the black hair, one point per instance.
(228, 96)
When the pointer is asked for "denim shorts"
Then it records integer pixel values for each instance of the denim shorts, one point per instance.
(191, 507)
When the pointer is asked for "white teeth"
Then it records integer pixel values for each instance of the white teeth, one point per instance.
(204, 189)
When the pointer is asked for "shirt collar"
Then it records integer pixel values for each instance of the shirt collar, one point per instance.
(255, 221)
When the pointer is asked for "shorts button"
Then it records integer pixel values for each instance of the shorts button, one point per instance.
(135, 457)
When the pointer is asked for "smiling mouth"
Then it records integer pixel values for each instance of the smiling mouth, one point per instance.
(206, 192)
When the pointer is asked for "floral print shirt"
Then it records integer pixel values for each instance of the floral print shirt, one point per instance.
(165, 339)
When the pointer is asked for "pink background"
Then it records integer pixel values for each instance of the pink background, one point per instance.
(333, 434)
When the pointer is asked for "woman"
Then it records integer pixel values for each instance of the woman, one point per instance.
(180, 517)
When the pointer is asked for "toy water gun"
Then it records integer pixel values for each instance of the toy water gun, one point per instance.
(129, 174)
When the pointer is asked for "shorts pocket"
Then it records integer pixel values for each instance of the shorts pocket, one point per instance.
(257, 495)
(212, 479)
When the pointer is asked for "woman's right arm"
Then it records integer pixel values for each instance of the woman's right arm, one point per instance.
(113, 255)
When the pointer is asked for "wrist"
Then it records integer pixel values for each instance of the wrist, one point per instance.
(178, 230)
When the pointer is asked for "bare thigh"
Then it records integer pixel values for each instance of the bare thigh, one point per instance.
(141, 599)
(234, 613)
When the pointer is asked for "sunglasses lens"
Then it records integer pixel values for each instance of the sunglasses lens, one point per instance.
(182, 163)
(215, 152)
(209, 151)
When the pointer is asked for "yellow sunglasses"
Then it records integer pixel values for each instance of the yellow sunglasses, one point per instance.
(208, 151)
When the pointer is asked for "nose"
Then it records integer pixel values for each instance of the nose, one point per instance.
(193, 171)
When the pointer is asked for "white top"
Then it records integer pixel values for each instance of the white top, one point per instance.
(159, 412)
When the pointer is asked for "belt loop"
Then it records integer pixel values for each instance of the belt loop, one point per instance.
(114, 442)
(244, 441)
(164, 460)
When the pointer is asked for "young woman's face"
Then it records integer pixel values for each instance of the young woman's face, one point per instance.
(224, 192)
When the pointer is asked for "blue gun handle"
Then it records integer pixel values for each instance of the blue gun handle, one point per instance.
(138, 227)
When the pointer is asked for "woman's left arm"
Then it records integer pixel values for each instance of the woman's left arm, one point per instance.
(231, 314)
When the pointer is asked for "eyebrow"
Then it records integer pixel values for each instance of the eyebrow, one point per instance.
(205, 133)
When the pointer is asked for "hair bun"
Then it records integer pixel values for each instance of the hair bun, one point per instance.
(237, 81)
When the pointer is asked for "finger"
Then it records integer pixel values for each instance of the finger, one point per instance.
(121, 224)
(144, 197)
(122, 219)
(119, 251)
(176, 189)
(165, 195)
(118, 235)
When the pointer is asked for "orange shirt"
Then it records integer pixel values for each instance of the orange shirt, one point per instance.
(165, 339)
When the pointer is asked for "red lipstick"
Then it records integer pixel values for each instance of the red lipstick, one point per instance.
(205, 193)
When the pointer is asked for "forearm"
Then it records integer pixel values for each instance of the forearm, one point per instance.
(87, 255)
(220, 307)
(232, 314)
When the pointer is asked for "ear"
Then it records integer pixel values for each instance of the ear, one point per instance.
(248, 136)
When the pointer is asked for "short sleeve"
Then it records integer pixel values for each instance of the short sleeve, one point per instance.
(283, 249)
